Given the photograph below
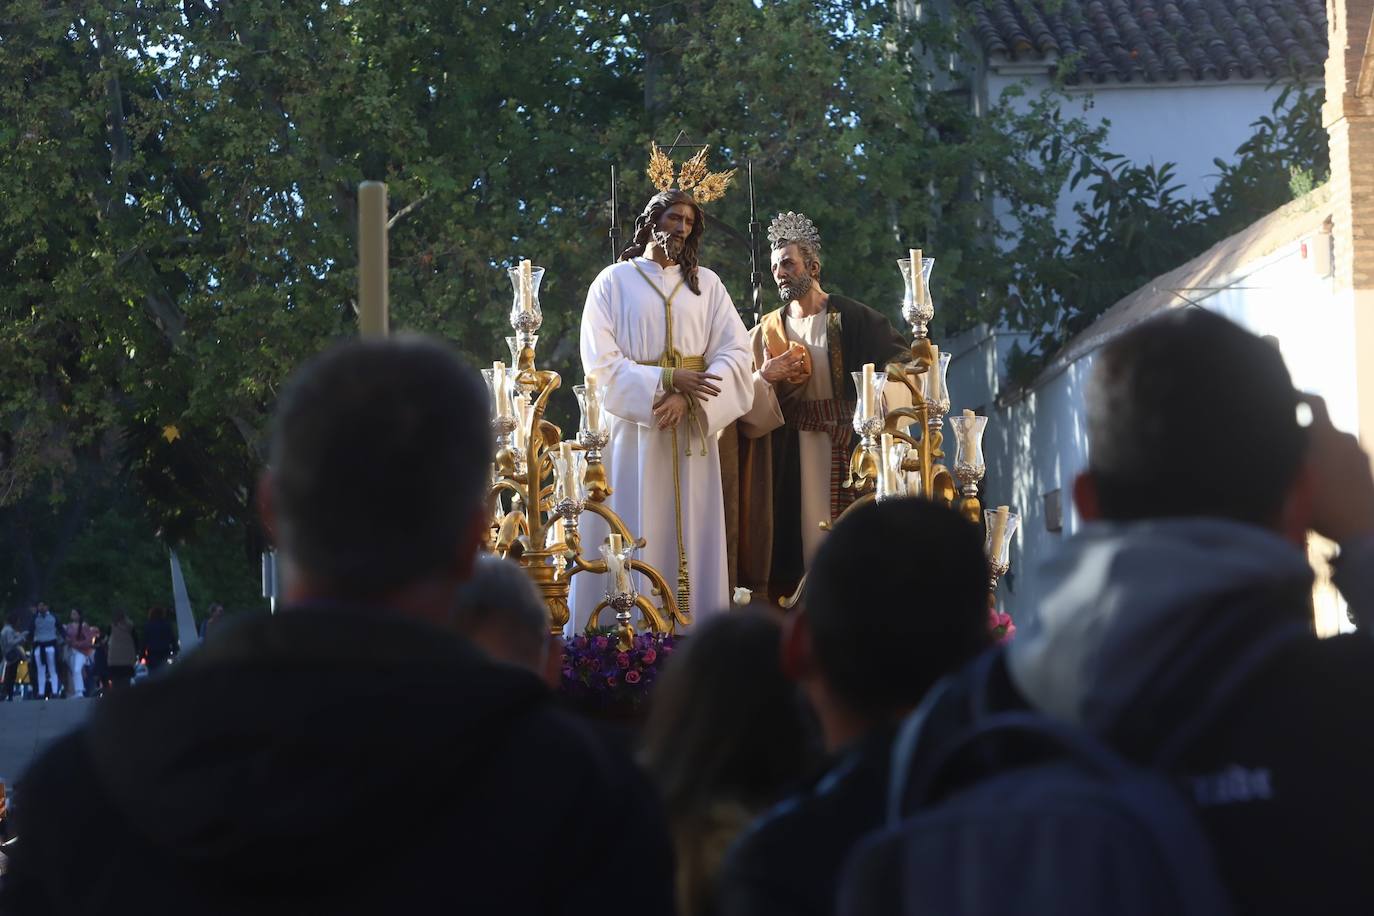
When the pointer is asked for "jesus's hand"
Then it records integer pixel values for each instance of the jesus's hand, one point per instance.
(690, 381)
(670, 410)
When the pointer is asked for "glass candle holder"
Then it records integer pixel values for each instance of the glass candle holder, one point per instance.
(500, 387)
(934, 388)
(969, 464)
(892, 479)
(1001, 526)
(917, 313)
(525, 314)
(870, 409)
(593, 430)
(569, 492)
(514, 345)
(620, 586)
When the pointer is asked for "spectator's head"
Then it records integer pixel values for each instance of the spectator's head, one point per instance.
(501, 610)
(76, 617)
(120, 617)
(1190, 415)
(216, 610)
(378, 471)
(725, 724)
(157, 612)
(896, 597)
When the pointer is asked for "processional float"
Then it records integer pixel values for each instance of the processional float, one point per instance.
(541, 484)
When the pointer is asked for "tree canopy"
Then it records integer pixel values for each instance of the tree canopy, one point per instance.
(178, 210)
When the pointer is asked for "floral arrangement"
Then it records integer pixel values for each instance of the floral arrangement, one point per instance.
(598, 676)
(1000, 625)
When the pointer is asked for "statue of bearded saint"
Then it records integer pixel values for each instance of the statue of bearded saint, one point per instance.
(661, 335)
(795, 442)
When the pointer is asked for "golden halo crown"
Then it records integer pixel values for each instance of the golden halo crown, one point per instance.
(694, 178)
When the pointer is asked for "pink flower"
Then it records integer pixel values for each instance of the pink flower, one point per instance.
(623, 660)
(612, 679)
(632, 677)
(600, 643)
(648, 656)
(1001, 626)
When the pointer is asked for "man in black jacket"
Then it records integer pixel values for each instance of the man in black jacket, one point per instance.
(1201, 487)
(865, 649)
(349, 754)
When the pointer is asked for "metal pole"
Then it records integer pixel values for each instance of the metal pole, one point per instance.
(755, 275)
(615, 221)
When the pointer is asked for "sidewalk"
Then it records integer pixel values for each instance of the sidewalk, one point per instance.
(29, 726)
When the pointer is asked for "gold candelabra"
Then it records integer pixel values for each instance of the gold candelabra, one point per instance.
(901, 450)
(550, 482)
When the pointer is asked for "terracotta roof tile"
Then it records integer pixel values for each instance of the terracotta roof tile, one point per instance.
(1159, 40)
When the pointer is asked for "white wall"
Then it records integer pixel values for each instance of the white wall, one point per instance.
(1187, 123)
(1036, 441)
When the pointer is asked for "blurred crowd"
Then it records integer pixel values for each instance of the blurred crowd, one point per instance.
(44, 659)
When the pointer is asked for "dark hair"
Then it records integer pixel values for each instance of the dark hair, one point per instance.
(725, 724)
(380, 453)
(1191, 415)
(897, 597)
(157, 612)
(501, 594)
(647, 221)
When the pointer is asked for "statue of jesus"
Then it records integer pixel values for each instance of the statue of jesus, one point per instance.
(662, 336)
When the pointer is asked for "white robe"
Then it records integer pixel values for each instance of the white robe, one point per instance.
(622, 325)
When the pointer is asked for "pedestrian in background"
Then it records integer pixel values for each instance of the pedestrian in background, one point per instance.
(121, 654)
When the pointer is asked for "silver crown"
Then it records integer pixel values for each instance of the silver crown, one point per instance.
(793, 227)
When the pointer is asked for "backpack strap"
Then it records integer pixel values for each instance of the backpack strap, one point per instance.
(905, 744)
(908, 739)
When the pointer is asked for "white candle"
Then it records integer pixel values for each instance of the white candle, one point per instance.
(498, 383)
(526, 286)
(966, 435)
(918, 284)
(935, 388)
(569, 470)
(615, 566)
(372, 260)
(866, 395)
(593, 404)
(999, 532)
(887, 473)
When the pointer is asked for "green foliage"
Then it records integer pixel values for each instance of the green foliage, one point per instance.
(177, 207)
(1137, 224)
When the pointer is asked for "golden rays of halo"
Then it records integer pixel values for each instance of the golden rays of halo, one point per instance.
(704, 185)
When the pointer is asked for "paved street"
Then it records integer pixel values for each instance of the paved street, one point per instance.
(27, 726)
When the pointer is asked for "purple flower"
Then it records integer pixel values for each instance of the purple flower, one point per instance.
(580, 642)
(600, 643)
(594, 664)
(631, 677)
(623, 660)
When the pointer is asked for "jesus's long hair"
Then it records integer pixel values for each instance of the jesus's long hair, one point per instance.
(644, 231)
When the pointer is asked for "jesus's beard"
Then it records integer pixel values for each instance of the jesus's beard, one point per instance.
(671, 245)
(794, 287)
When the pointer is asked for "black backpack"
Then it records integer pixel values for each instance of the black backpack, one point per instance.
(1081, 830)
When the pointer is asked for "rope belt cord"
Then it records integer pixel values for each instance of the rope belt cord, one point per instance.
(669, 361)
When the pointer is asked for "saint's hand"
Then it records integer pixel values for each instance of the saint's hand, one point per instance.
(783, 367)
(690, 381)
(670, 410)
